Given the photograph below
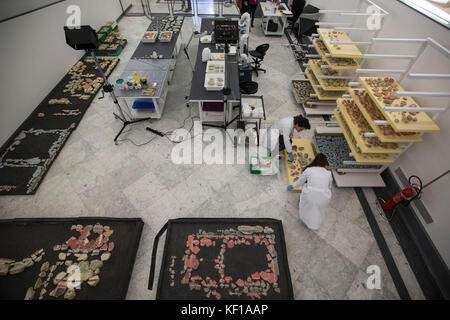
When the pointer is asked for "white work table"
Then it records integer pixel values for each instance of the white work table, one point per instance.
(269, 13)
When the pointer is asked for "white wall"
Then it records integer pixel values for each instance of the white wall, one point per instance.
(431, 157)
(35, 56)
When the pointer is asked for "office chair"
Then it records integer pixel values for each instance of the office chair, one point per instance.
(258, 57)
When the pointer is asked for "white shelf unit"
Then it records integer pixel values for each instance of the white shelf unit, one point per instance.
(349, 177)
(327, 108)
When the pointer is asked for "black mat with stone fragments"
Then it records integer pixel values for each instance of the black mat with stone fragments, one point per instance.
(37, 241)
(223, 258)
(30, 151)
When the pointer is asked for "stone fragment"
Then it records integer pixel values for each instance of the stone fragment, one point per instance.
(84, 266)
(30, 294)
(268, 230)
(28, 262)
(38, 284)
(70, 294)
(86, 275)
(68, 263)
(45, 266)
(62, 256)
(96, 264)
(59, 277)
(105, 256)
(81, 256)
(41, 294)
(4, 268)
(59, 290)
(16, 268)
(93, 281)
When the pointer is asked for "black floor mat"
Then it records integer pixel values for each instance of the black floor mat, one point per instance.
(230, 259)
(42, 135)
(21, 238)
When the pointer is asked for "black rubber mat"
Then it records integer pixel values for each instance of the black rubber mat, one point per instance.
(36, 143)
(20, 238)
(229, 259)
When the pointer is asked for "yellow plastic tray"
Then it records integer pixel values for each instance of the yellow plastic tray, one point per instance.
(341, 50)
(384, 133)
(423, 124)
(307, 148)
(358, 125)
(317, 70)
(357, 154)
(321, 94)
(335, 63)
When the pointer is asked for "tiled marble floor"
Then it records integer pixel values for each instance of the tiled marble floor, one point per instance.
(94, 177)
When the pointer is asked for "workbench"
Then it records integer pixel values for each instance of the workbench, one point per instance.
(159, 71)
(156, 71)
(169, 50)
(200, 95)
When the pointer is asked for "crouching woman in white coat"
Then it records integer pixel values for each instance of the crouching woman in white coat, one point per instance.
(316, 192)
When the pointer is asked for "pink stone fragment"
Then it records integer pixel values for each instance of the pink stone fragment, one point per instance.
(256, 276)
(195, 249)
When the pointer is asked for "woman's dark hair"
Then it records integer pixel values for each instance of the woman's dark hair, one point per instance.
(319, 161)
(302, 122)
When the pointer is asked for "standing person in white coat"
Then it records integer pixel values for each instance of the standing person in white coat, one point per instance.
(280, 133)
(316, 193)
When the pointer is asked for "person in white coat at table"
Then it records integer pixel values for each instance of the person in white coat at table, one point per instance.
(280, 133)
(316, 192)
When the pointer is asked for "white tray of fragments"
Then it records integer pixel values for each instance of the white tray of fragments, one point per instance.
(215, 67)
(214, 81)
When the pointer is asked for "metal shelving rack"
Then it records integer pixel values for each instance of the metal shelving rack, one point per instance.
(350, 177)
(368, 174)
(325, 108)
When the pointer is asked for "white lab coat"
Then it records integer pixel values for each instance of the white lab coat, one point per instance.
(315, 196)
(284, 127)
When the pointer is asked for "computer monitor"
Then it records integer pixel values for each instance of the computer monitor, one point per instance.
(226, 31)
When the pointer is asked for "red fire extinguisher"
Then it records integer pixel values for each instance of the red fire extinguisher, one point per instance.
(414, 191)
(403, 197)
(406, 195)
